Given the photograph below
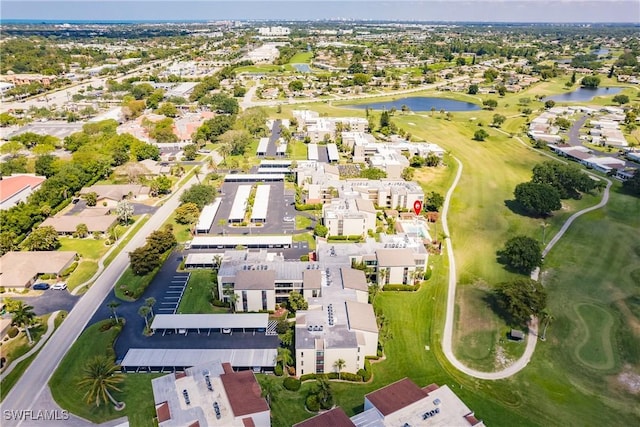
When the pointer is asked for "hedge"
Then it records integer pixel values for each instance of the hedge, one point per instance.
(427, 274)
(405, 288)
(292, 384)
(69, 269)
(308, 206)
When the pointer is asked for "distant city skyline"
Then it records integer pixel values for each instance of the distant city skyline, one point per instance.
(525, 11)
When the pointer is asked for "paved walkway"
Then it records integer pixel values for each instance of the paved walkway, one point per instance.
(447, 347)
(40, 343)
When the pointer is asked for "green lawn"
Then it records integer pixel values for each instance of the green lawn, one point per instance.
(129, 285)
(87, 248)
(139, 222)
(301, 58)
(10, 380)
(84, 272)
(197, 296)
(302, 222)
(136, 388)
(305, 237)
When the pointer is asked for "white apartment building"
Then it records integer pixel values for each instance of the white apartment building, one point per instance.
(274, 31)
(349, 217)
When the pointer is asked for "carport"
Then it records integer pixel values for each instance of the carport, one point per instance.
(171, 360)
(183, 323)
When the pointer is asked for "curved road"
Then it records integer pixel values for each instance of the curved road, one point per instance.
(447, 338)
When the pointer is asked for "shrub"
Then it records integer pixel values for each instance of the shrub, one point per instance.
(292, 384)
(307, 377)
(278, 370)
(48, 276)
(348, 376)
(2, 290)
(428, 273)
(304, 258)
(404, 288)
(312, 403)
(12, 332)
(69, 269)
(219, 303)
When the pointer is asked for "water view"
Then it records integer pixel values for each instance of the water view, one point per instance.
(420, 103)
(584, 94)
(303, 68)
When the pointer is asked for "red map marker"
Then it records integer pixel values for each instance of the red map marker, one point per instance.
(417, 207)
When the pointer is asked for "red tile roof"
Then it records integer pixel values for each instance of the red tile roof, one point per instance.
(248, 422)
(396, 396)
(471, 419)
(430, 388)
(11, 185)
(334, 418)
(244, 393)
(163, 412)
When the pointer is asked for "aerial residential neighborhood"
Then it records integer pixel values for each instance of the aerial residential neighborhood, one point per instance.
(304, 214)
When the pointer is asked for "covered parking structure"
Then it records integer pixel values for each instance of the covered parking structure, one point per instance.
(254, 177)
(261, 204)
(240, 203)
(332, 152)
(200, 323)
(312, 152)
(174, 359)
(205, 222)
(234, 241)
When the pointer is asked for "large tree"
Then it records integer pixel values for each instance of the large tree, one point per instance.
(187, 213)
(590, 81)
(100, 378)
(521, 298)
(568, 179)
(143, 260)
(42, 239)
(541, 199)
(433, 201)
(632, 185)
(199, 194)
(296, 302)
(521, 253)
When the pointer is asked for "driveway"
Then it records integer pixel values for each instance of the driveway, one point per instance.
(273, 138)
(50, 301)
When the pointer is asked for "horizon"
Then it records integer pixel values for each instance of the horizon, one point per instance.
(428, 11)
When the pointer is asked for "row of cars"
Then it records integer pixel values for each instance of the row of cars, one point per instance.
(60, 286)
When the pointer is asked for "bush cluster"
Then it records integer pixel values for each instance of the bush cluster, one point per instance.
(67, 271)
(353, 238)
(292, 384)
(404, 288)
(278, 370)
(12, 332)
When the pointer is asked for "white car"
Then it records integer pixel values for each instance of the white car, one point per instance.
(61, 286)
(288, 219)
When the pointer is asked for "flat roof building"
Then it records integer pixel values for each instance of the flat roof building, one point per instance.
(21, 269)
(239, 206)
(261, 204)
(208, 214)
(210, 394)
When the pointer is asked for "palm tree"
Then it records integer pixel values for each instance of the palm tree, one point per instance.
(112, 306)
(196, 172)
(23, 316)
(150, 302)
(217, 261)
(144, 311)
(373, 292)
(548, 317)
(284, 356)
(222, 222)
(233, 300)
(339, 365)
(99, 379)
(383, 273)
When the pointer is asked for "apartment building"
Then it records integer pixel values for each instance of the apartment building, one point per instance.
(349, 217)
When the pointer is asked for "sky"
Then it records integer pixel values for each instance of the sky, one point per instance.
(594, 11)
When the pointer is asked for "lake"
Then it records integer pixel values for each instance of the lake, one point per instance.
(303, 68)
(600, 52)
(584, 94)
(420, 103)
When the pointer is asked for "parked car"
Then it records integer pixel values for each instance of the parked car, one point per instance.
(40, 287)
(288, 219)
(226, 330)
(60, 286)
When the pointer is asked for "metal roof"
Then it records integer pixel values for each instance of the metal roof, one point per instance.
(235, 240)
(312, 151)
(240, 203)
(332, 152)
(249, 177)
(208, 214)
(261, 203)
(210, 321)
(262, 145)
(158, 357)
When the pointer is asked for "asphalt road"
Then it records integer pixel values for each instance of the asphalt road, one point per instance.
(25, 394)
(273, 139)
(50, 301)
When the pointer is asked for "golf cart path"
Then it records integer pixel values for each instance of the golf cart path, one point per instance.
(532, 336)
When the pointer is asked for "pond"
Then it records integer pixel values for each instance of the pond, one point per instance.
(600, 52)
(420, 103)
(584, 94)
(303, 68)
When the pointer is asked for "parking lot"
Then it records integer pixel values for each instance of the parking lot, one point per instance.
(279, 208)
(169, 302)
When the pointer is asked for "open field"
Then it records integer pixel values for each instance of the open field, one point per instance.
(301, 58)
